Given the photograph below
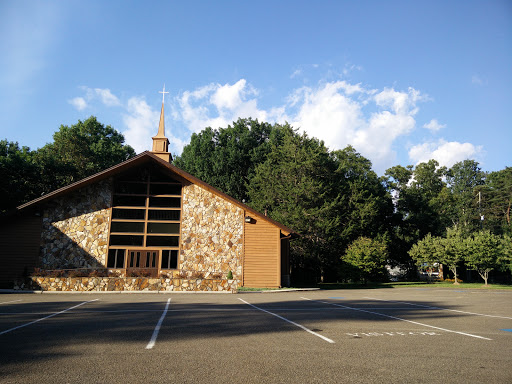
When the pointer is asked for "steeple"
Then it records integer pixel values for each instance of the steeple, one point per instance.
(160, 142)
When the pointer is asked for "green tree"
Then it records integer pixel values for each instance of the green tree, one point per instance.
(78, 151)
(485, 253)
(294, 185)
(18, 173)
(226, 157)
(364, 207)
(425, 255)
(83, 149)
(462, 178)
(368, 257)
(496, 201)
(422, 204)
(451, 250)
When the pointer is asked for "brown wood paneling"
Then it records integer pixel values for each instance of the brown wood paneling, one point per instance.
(19, 247)
(262, 261)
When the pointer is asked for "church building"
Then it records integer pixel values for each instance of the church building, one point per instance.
(145, 220)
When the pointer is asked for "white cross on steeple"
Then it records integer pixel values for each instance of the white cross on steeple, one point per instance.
(163, 94)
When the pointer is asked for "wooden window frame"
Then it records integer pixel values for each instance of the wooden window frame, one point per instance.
(145, 234)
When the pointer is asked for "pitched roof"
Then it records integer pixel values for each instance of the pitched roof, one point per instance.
(146, 157)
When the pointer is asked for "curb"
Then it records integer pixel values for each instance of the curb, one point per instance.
(282, 290)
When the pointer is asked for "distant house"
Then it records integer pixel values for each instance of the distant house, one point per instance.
(146, 215)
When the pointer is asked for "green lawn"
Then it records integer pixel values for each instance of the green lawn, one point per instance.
(402, 284)
(437, 284)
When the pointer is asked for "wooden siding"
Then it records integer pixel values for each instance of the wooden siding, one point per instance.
(262, 260)
(19, 247)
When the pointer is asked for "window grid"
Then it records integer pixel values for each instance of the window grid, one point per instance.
(149, 222)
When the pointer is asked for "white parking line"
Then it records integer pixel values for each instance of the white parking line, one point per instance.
(289, 321)
(46, 317)
(398, 318)
(152, 342)
(444, 309)
(7, 302)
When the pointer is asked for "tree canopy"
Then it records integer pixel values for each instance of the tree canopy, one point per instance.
(367, 259)
(227, 157)
(333, 197)
(485, 253)
(424, 253)
(426, 213)
(77, 151)
(330, 197)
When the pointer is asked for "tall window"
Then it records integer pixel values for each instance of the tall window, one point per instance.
(146, 214)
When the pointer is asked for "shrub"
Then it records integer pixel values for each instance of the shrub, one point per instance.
(366, 259)
(98, 273)
(452, 280)
(139, 273)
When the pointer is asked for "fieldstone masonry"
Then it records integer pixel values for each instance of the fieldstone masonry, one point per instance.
(75, 229)
(211, 234)
(124, 284)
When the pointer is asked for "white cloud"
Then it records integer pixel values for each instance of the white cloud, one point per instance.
(446, 153)
(434, 126)
(140, 119)
(107, 97)
(176, 143)
(79, 103)
(104, 95)
(296, 73)
(142, 123)
(218, 105)
(349, 68)
(327, 114)
(399, 102)
(333, 113)
(339, 113)
(230, 96)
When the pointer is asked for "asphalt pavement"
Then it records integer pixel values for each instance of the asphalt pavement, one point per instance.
(400, 335)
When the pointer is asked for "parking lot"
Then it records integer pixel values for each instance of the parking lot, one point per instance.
(349, 336)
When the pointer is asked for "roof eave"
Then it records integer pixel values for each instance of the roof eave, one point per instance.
(142, 158)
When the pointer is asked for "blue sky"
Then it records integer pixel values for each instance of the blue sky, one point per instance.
(401, 81)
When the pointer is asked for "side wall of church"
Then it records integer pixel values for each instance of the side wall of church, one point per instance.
(75, 229)
(211, 234)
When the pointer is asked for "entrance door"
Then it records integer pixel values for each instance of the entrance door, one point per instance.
(140, 261)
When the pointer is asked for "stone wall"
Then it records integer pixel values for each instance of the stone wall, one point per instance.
(211, 234)
(75, 229)
(93, 284)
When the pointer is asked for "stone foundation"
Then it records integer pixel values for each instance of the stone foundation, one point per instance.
(93, 284)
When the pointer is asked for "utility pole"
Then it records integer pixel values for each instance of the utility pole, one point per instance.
(480, 209)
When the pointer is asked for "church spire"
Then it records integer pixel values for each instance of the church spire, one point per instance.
(160, 142)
